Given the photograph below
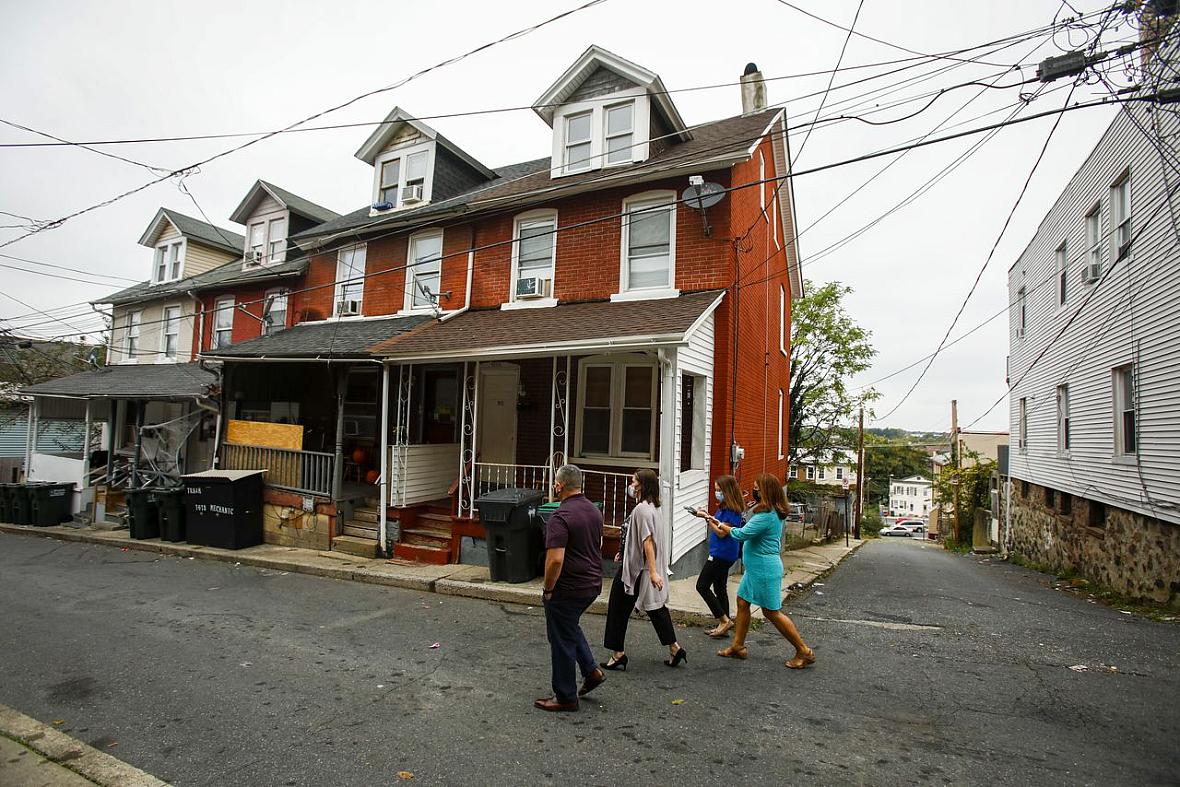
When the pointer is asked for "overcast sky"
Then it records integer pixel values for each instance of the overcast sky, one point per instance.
(95, 71)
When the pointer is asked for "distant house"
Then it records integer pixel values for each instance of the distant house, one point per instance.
(910, 496)
(836, 468)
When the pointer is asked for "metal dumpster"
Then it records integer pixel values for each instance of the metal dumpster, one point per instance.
(223, 508)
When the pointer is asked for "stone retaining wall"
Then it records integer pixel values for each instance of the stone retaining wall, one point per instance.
(1135, 555)
(285, 523)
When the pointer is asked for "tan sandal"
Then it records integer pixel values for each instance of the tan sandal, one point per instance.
(734, 653)
(802, 662)
(720, 631)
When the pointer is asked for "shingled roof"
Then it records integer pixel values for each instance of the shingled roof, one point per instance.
(229, 274)
(150, 381)
(322, 339)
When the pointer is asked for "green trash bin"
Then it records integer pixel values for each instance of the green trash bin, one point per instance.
(50, 503)
(171, 505)
(22, 504)
(144, 510)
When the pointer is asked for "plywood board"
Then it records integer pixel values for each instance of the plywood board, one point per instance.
(265, 434)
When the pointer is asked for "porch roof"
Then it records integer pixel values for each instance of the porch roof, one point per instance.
(322, 340)
(150, 381)
(570, 327)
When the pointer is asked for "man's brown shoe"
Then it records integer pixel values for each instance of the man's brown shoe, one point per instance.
(551, 704)
(596, 679)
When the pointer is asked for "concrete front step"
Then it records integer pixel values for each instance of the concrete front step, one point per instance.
(355, 545)
(361, 530)
(422, 553)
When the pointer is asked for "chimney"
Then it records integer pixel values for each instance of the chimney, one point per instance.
(753, 90)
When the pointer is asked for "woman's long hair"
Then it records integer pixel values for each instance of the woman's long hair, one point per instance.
(731, 493)
(649, 486)
(773, 497)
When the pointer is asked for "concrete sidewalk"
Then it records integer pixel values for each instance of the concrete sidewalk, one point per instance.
(801, 568)
(33, 754)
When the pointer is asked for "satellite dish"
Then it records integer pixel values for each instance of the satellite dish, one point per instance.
(706, 195)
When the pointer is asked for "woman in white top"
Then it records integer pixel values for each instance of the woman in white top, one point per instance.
(643, 575)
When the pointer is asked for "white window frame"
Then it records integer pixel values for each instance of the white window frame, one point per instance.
(839, 472)
(226, 304)
(1120, 225)
(411, 278)
(1022, 427)
(523, 220)
(340, 291)
(619, 365)
(821, 473)
(698, 457)
(269, 328)
(641, 131)
(165, 327)
(1063, 436)
(271, 249)
(782, 320)
(1093, 224)
(781, 442)
(635, 203)
(403, 154)
(809, 471)
(130, 334)
(1123, 403)
(1021, 312)
(607, 136)
(162, 253)
(1062, 256)
(276, 248)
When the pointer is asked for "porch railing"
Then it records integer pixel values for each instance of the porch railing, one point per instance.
(306, 472)
(604, 487)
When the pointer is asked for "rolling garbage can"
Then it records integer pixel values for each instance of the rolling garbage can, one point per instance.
(50, 503)
(171, 503)
(514, 537)
(22, 504)
(144, 509)
(6, 512)
(223, 508)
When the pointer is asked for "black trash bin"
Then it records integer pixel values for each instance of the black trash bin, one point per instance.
(514, 537)
(21, 502)
(144, 509)
(6, 512)
(50, 503)
(171, 502)
(223, 508)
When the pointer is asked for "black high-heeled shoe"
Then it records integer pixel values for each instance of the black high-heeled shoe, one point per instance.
(681, 655)
(611, 664)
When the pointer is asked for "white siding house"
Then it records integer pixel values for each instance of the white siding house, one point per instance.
(910, 496)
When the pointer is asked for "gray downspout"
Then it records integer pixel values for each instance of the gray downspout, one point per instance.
(140, 406)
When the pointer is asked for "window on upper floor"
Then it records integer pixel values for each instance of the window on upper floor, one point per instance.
(350, 280)
(424, 270)
(607, 131)
(1120, 217)
(578, 141)
(268, 241)
(131, 335)
(274, 312)
(403, 177)
(223, 322)
(839, 473)
(1021, 312)
(649, 243)
(1126, 437)
(1063, 418)
(1062, 274)
(822, 473)
(782, 319)
(620, 132)
(1094, 243)
(534, 250)
(170, 335)
(617, 408)
(169, 261)
(1022, 432)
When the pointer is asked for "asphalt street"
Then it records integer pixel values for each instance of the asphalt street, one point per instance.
(933, 668)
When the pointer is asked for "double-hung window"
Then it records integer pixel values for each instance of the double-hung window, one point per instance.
(1021, 312)
(391, 174)
(649, 243)
(169, 257)
(1126, 439)
(424, 270)
(403, 180)
(839, 473)
(620, 132)
(1094, 238)
(1063, 418)
(350, 279)
(131, 335)
(534, 251)
(274, 313)
(257, 242)
(823, 473)
(1062, 274)
(617, 412)
(810, 472)
(579, 129)
(1022, 444)
(276, 240)
(1120, 217)
(170, 339)
(223, 322)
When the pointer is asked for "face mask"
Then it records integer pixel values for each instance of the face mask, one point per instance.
(757, 497)
(631, 492)
(719, 496)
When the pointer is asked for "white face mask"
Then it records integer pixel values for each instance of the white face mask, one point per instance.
(631, 492)
(720, 498)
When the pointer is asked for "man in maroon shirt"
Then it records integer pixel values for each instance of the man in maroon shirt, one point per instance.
(573, 579)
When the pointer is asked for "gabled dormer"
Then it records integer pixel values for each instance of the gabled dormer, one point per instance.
(183, 246)
(271, 215)
(414, 165)
(606, 111)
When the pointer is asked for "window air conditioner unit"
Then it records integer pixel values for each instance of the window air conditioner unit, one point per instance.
(254, 257)
(1092, 273)
(532, 287)
(347, 308)
(1019, 333)
(412, 194)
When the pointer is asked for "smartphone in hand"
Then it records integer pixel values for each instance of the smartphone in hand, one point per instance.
(692, 511)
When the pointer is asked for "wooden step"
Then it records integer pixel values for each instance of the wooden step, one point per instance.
(438, 521)
(355, 545)
(372, 502)
(437, 556)
(361, 530)
(438, 507)
(425, 536)
(366, 515)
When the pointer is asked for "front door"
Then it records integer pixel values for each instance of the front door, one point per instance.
(496, 439)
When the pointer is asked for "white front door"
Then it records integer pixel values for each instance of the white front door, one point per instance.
(496, 439)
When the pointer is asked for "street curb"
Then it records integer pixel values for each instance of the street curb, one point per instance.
(443, 585)
(72, 754)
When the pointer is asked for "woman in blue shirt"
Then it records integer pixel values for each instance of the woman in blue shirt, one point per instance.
(713, 581)
(762, 580)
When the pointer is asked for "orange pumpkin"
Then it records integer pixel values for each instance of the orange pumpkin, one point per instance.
(359, 455)
(371, 477)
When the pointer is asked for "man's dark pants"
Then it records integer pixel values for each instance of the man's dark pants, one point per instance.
(568, 648)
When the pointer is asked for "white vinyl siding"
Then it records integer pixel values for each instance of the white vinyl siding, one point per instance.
(694, 487)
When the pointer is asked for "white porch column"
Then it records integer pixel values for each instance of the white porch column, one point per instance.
(86, 448)
(383, 510)
(31, 436)
(668, 446)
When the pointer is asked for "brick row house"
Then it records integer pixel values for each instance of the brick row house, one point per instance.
(623, 302)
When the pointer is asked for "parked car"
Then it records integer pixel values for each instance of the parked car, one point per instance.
(897, 530)
(795, 512)
(913, 525)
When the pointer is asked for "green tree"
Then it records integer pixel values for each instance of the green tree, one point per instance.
(884, 461)
(28, 361)
(827, 349)
(973, 487)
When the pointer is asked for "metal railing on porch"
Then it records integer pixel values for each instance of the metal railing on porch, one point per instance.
(306, 472)
(604, 487)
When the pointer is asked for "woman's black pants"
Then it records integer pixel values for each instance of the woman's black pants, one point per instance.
(712, 584)
(618, 612)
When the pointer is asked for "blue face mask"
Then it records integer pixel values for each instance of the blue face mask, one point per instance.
(720, 498)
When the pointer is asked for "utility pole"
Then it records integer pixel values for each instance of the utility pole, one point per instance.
(955, 460)
(860, 474)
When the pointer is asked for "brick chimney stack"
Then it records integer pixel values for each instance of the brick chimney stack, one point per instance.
(753, 90)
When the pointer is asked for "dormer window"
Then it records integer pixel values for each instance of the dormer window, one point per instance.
(268, 242)
(169, 261)
(578, 141)
(595, 134)
(620, 130)
(403, 178)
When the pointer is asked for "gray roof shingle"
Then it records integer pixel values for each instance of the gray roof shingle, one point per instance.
(324, 339)
(152, 381)
(304, 207)
(229, 274)
(206, 233)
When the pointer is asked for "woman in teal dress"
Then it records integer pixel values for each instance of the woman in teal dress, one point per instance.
(762, 582)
